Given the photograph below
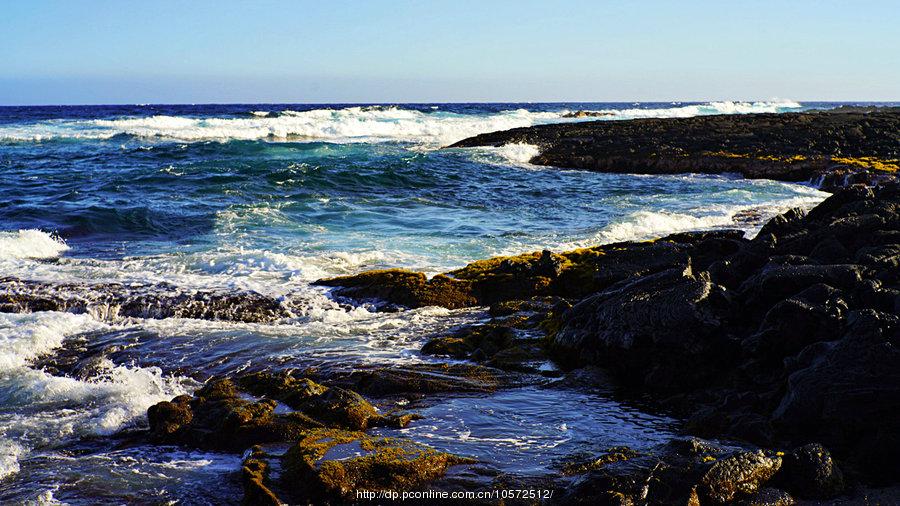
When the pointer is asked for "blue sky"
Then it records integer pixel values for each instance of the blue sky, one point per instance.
(62, 52)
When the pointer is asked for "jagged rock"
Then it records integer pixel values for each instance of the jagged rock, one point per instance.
(849, 392)
(220, 417)
(114, 300)
(407, 288)
(255, 480)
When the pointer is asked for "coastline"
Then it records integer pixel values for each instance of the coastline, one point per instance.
(739, 339)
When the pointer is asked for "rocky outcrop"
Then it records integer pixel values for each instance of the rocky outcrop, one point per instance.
(834, 148)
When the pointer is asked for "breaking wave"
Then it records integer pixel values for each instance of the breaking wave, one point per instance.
(351, 124)
(30, 244)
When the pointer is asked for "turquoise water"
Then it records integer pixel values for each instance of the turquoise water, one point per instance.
(271, 198)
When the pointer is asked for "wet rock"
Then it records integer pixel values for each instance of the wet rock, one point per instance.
(417, 380)
(741, 474)
(111, 301)
(255, 480)
(580, 464)
(570, 274)
(329, 465)
(220, 417)
(586, 114)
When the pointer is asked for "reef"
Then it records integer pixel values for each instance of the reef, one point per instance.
(833, 148)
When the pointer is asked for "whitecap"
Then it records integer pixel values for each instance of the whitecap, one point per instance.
(30, 244)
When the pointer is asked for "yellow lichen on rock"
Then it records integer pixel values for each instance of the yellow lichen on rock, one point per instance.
(869, 162)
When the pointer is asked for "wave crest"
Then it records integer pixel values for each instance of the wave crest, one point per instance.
(30, 244)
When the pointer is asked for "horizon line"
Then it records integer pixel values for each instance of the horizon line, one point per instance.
(483, 102)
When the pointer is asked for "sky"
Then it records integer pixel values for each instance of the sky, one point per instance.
(93, 52)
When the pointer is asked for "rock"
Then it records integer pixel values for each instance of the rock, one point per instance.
(166, 418)
(769, 497)
(414, 381)
(581, 465)
(571, 274)
(741, 474)
(220, 417)
(777, 282)
(330, 465)
(586, 114)
(255, 480)
(810, 473)
(112, 301)
(668, 320)
(849, 393)
(827, 148)
(407, 288)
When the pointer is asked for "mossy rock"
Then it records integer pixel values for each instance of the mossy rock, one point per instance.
(218, 417)
(581, 464)
(255, 480)
(331, 464)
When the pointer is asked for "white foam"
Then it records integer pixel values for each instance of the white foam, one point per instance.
(10, 451)
(30, 244)
(351, 124)
(49, 409)
(518, 153)
(687, 111)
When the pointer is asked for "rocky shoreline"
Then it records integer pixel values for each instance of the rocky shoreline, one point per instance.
(779, 351)
(832, 148)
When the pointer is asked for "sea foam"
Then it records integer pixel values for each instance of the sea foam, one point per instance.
(30, 244)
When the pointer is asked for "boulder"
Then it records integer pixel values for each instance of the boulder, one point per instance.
(738, 475)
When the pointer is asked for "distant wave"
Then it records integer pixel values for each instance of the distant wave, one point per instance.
(352, 124)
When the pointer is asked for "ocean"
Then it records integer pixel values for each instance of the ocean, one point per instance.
(269, 198)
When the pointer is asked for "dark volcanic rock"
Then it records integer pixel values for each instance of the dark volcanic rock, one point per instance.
(838, 148)
(849, 394)
(776, 342)
(671, 319)
(809, 472)
(684, 471)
